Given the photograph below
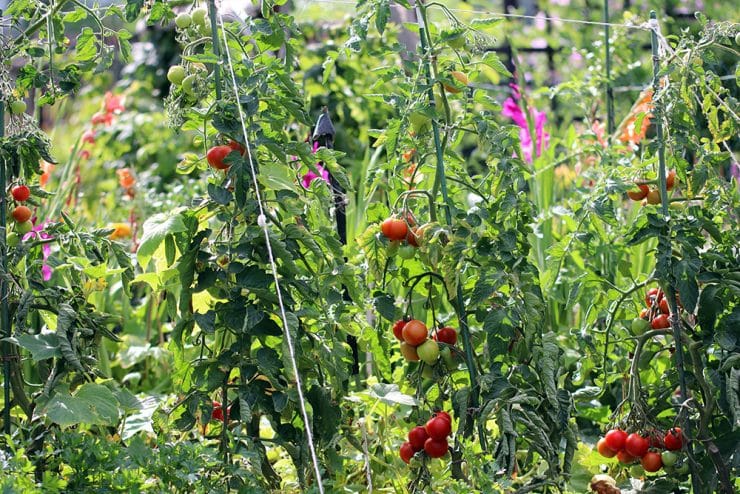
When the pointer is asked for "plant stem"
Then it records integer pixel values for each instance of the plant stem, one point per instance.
(608, 66)
(4, 319)
(665, 250)
(440, 177)
(216, 49)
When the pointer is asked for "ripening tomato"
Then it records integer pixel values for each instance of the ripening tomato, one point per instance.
(670, 180)
(398, 329)
(663, 304)
(417, 437)
(414, 332)
(639, 194)
(21, 193)
(615, 439)
(435, 448)
(409, 352)
(645, 314)
(651, 461)
(216, 156)
(604, 450)
(446, 335)
(636, 445)
(673, 439)
(438, 428)
(411, 237)
(653, 197)
(624, 457)
(21, 214)
(661, 321)
(394, 229)
(406, 452)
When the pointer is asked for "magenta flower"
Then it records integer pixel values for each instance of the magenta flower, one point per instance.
(310, 176)
(512, 110)
(39, 233)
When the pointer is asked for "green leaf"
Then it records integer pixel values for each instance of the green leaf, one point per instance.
(492, 60)
(87, 45)
(156, 229)
(41, 346)
(390, 395)
(92, 404)
(385, 305)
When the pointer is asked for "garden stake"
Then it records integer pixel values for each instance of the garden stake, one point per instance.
(664, 246)
(609, 90)
(4, 319)
(440, 175)
(216, 48)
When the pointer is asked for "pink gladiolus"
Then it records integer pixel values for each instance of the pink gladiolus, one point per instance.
(88, 137)
(39, 233)
(113, 104)
(102, 118)
(310, 176)
(84, 154)
(512, 110)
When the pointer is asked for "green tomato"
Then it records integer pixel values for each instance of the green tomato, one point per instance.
(636, 471)
(199, 16)
(427, 371)
(639, 326)
(188, 84)
(17, 107)
(428, 351)
(682, 468)
(669, 458)
(24, 227)
(448, 358)
(458, 42)
(183, 20)
(176, 74)
(737, 39)
(12, 239)
(407, 251)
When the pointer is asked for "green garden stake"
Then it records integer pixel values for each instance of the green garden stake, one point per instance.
(608, 66)
(4, 319)
(216, 47)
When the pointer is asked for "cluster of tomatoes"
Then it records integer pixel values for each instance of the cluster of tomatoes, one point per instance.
(218, 411)
(403, 234)
(656, 315)
(430, 438)
(629, 448)
(22, 213)
(217, 154)
(651, 196)
(417, 344)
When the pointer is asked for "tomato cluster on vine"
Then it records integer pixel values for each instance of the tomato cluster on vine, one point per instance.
(431, 438)
(654, 450)
(656, 314)
(417, 344)
(651, 196)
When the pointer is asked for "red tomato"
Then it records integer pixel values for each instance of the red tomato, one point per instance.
(639, 194)
(653, 296)
(438, 428)
(218, 411)
(444, 415)
(21, 214)
(435, 448)
(236, 146)
(21, 193)
(604, 450)
(664, 306)
(398, 329)
(411, 237)
(624, 457)
(636, 445)
(406, 452)
(394, 229)
(651, 461)
(669, 181)
(446, 335)
(615, 439)
(673, 439)
(414, 332)
(417, 437)
(216, 156)
(661, 321)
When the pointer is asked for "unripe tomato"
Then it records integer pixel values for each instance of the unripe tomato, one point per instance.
(21, 193)
(199, 16)
(17, 107)
(673, 439)
(176, 74)
(414, 332)
(624, 457)
(636, 445)
(653, 197)
(183, 20)
(448, 358)
(406, 452)
(428, 352)
(669, 458)
(409, 352)
(604, 450)
(661, 321)
(639, 326)
(188, 84)
(216, 156)
(406, 252)
(615, 439)
(394, 229)
(23, 228)
(398, 329)
(21, 214)
(682, 468)
(417, 437)
(435, 448)
(651, 461)
(446, 335)
(438, 428)
(639, 194)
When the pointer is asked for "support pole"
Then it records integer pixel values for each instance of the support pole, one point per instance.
(4, 316)
(665, 250)
(608, 66)
(216, 48)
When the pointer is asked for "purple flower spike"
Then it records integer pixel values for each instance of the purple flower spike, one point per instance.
(38, 232)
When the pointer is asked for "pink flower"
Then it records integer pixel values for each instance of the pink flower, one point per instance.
(113, 104)
(88, 136)
(310, 176)
(84, 154)
(39, 233)
(102, 118)
(512, 110)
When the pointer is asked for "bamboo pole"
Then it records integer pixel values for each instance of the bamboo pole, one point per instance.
(4, 316)
(608, 66)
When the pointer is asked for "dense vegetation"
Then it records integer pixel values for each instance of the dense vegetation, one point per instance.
(271, 253)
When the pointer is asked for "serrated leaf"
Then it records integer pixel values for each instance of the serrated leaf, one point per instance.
(390, 395)
(156, 229)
